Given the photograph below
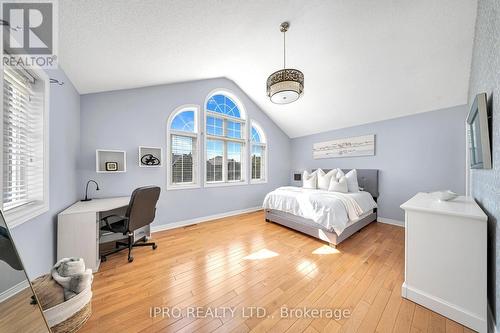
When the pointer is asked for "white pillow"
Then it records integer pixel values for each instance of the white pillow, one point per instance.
(352, 179)
(338, 185)
(324, 178)
(310, 180)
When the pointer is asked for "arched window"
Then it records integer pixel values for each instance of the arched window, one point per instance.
(183, 138)
(225, 139)
(223, 104)
(258, 153)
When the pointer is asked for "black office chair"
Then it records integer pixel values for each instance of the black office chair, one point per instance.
(140, 212)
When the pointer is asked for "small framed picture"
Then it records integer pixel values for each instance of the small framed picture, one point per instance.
(150, 157)
(111, 166)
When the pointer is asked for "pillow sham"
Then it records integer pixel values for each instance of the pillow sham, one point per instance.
(324, 178)
(338, 185)
(310, 180)
(352, 179)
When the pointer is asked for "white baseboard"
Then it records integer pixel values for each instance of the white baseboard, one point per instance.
(391, 221)
(445, 308)
(14, 290)
(492, 325)
(179, 224)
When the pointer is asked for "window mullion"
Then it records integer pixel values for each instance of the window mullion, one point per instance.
(263, 163)
(224, 162)
(224, 153)
(181, 133)
(182, 169)
(195, 160)
(225, 117)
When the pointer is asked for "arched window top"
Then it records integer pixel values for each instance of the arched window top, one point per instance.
(224, 103)
(184, 120)
(256, 134)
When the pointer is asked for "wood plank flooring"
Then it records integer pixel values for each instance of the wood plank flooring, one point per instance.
(17, 314)
(243, 263)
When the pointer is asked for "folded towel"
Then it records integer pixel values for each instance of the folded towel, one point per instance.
(70, 266)
(71, 274)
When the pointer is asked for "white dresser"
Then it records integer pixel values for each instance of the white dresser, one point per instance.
(445, 258)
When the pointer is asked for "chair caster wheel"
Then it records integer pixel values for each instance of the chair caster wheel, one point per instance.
(155, 246)
(130, 259)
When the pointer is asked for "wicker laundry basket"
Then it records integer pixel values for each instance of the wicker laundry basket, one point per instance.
(62, 317)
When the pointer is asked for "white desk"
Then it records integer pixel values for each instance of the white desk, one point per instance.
(78, 229)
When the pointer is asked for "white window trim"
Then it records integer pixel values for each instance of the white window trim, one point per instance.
(245, 140)
(197, 169)
(264, 144)
(17, 216)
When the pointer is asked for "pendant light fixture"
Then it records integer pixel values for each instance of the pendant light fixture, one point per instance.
(286, 85)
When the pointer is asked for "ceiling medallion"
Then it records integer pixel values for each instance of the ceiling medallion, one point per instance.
(286, 85)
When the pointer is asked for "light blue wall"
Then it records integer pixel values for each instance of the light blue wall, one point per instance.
(485, 184)
(424, 152)
(36, 239)
(127, 119)
(418, 153)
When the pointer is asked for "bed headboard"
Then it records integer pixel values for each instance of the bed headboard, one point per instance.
(367, 179)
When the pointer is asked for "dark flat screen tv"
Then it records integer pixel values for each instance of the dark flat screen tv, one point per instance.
(479, 134)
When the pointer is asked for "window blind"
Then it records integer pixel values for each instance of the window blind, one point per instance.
(183, 150)
(257, 162)
(23, 149)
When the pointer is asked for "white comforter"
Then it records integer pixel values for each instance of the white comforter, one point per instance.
(331, 210)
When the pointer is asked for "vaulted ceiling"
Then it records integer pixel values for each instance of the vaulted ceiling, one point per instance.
(363, 60)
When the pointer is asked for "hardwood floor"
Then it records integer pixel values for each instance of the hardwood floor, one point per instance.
(17, 314)
(241, 262)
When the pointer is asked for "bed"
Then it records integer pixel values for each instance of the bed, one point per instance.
(322, 214)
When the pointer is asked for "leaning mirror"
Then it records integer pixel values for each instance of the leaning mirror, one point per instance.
(19, 310)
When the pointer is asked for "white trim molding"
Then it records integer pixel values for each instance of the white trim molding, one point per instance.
(467, 162)
(244, 140)
(17, 216)
(5, 295)
(197, 166)
(445, 308)
(391, 221)
(185, 223)
(263, 144)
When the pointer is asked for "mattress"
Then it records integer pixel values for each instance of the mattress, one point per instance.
(331, 211)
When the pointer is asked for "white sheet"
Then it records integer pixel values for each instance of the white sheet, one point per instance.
(331, 210)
